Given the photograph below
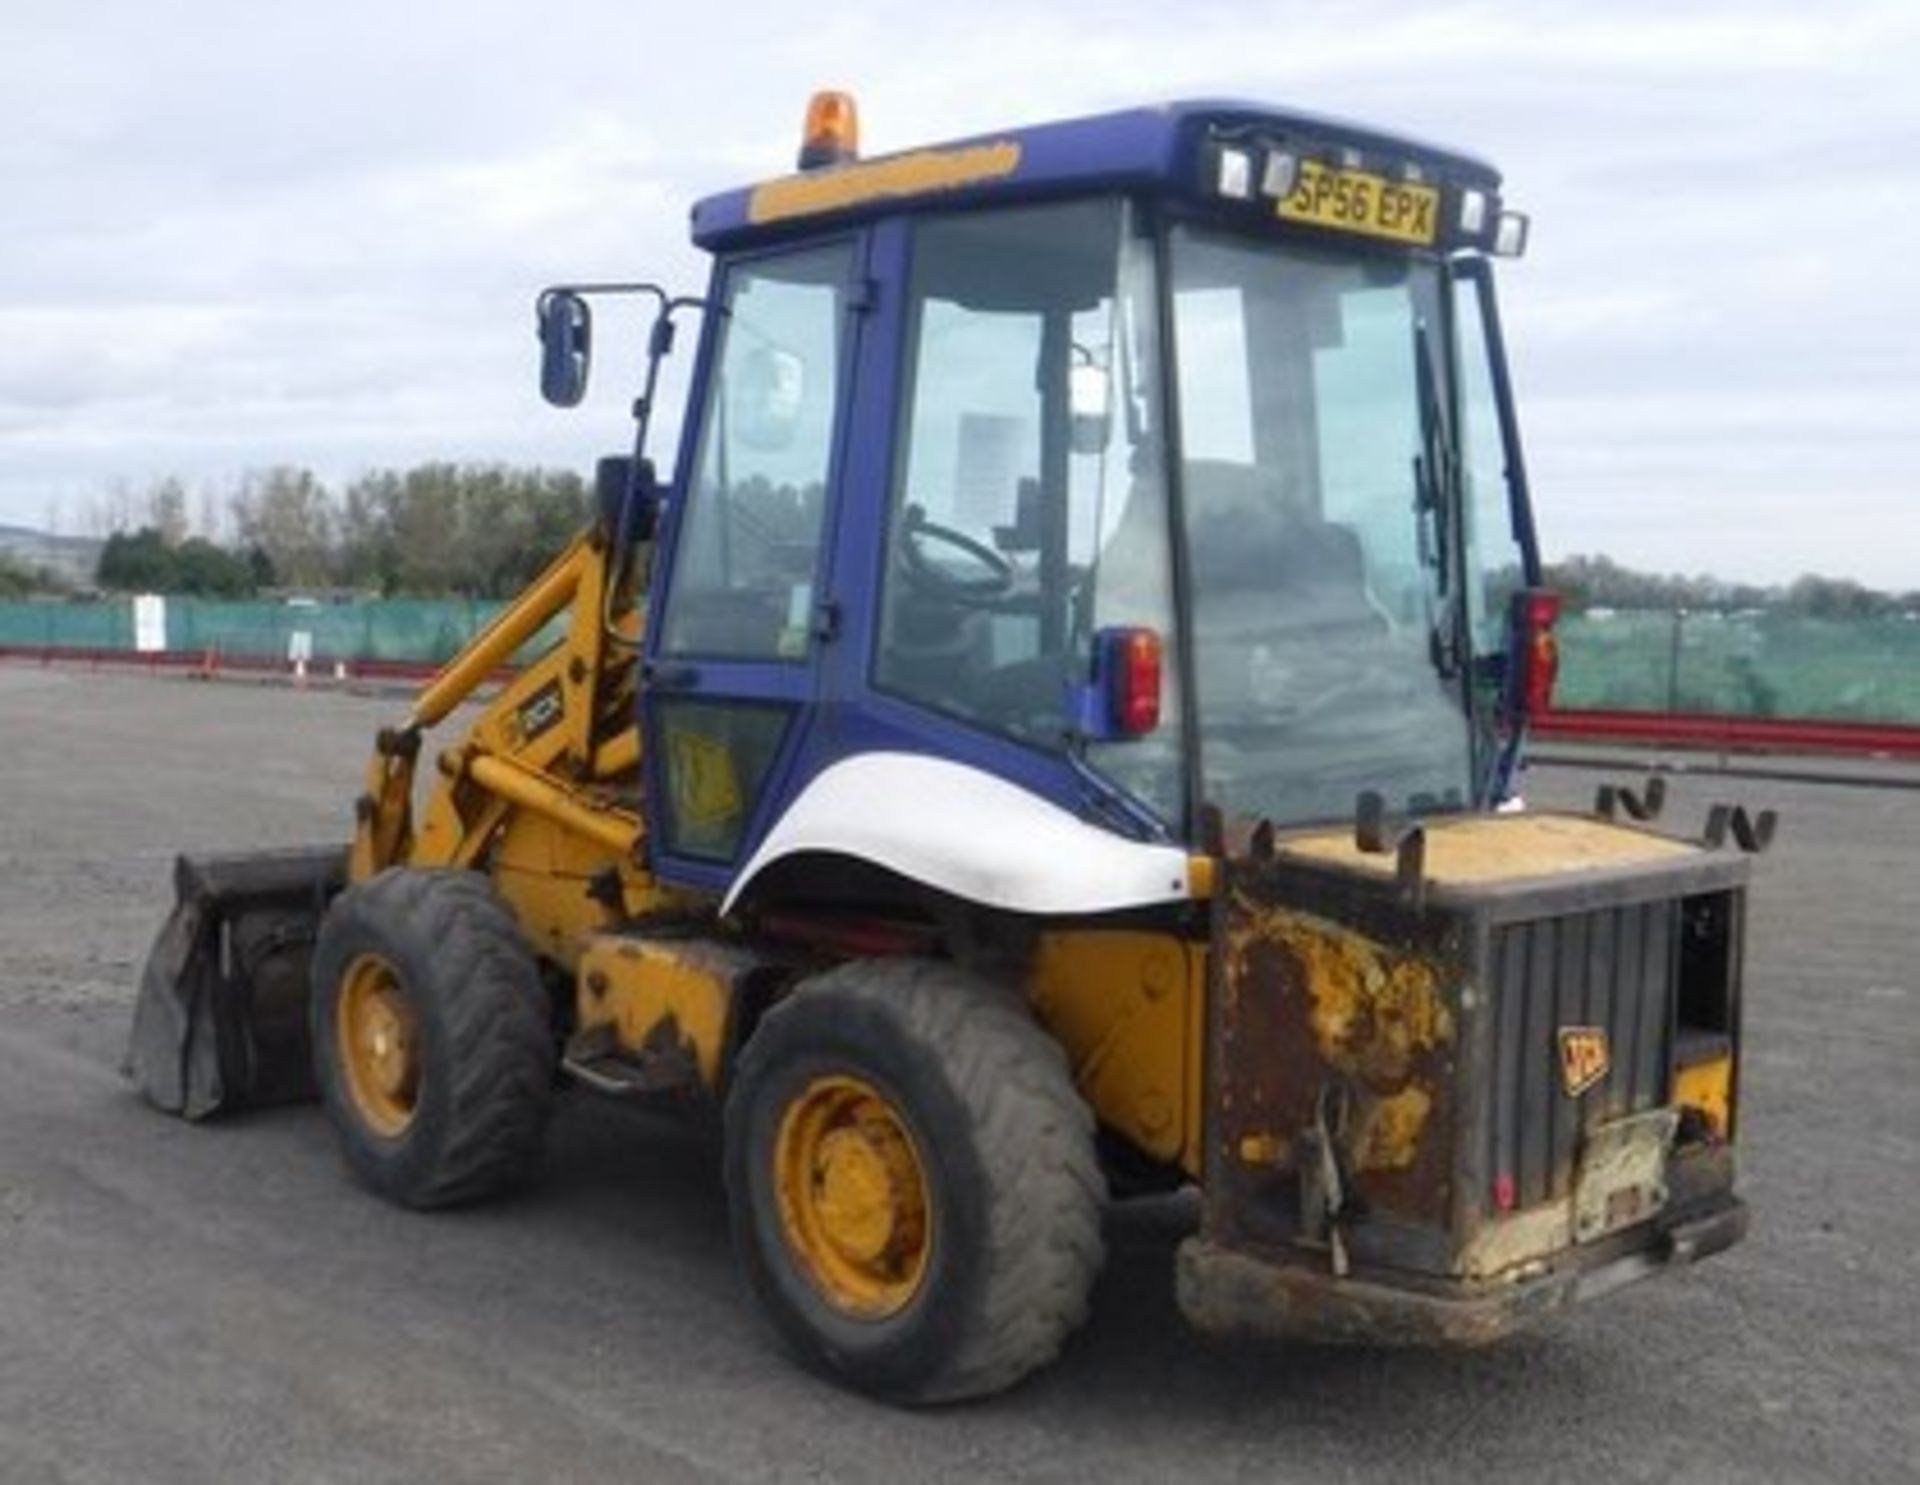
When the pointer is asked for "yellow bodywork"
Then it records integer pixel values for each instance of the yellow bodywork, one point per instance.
(922, 173)
(654, 994)
(1477, 849)
(1129, 1008)
(544, 788)
(1708, 1087)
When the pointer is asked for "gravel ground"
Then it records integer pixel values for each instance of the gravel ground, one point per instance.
(222, 1303)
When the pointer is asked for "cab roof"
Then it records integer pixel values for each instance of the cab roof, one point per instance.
(1160, 149)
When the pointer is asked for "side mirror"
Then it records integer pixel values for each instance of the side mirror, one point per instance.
(566, 346)
(616, 480)
(765, 397)
(1089, 408)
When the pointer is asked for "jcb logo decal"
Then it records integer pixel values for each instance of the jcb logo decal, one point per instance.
(541, 710)
(1584, 1059)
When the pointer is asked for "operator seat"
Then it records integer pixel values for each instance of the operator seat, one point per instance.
(1249, 536)
(1282, 613)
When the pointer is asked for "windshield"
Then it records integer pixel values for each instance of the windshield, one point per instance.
(1318, 474)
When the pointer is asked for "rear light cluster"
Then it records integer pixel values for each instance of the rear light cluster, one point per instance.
(1123, 699)
(1536, 653)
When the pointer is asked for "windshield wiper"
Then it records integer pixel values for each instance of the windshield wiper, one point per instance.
(1436, 474)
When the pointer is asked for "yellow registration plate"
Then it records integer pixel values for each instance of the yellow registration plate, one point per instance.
(1354, 201)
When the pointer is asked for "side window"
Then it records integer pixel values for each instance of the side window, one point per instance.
(748, 553)
(1493, 554)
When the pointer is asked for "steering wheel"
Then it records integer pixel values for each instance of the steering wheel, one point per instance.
(931, 577)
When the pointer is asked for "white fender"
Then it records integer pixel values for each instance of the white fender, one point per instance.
(967, 833)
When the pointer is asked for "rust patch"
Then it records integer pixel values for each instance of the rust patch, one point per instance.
(1374, 1012)
(1388, 1135)
(1308, 1003)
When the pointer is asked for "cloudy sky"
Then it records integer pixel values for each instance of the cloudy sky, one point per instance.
(241, 233)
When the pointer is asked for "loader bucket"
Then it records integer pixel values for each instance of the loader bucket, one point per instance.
(221, 1020)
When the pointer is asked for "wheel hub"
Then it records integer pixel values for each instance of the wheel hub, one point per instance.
(375, 1033)
(853, 1196)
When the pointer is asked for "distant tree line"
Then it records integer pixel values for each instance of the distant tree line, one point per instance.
(475, 530)
(1600, 582)
(19, 580)
(144, 561)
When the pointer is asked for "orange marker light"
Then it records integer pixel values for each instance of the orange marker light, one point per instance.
(832, 134)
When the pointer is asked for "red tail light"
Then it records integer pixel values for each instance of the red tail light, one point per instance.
(1538, 652)
(1129, 662)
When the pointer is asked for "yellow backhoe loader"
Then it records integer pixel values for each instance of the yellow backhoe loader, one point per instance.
(1052, 737)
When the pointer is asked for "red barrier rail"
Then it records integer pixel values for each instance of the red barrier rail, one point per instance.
(1733, 734)
(216, 661)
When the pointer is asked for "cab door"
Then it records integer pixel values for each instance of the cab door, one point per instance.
(740, 608)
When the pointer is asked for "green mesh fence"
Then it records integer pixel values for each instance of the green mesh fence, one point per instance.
(86, 626)
(1748, 665)
(420, 630)
(415, 629)
(1760, 665)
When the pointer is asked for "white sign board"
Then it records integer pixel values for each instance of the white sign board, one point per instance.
(300, 646)
(149, 623)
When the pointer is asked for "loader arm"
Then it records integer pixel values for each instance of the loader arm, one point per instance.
(542, 791)
(544, 785)
(544, 714)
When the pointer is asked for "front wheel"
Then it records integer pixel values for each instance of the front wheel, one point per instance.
(912, 1181)
(431, 1036)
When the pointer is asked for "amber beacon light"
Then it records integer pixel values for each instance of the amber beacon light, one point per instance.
(832, 134)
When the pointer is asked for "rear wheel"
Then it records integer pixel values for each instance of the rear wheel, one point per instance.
(912, 1181)
(431, 1036)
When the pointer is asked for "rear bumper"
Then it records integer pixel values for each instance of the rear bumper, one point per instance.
(1223, 1291)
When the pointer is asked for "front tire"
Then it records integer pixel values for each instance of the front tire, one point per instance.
(431, 1037)
(912, 1181)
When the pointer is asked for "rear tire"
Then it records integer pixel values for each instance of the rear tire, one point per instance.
(1003, 1238)
(431, 1036)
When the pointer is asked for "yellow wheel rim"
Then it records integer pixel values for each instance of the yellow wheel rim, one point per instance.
(375, 1028)
(853, 1196)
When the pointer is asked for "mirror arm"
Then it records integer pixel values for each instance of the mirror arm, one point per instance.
(659, 346)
